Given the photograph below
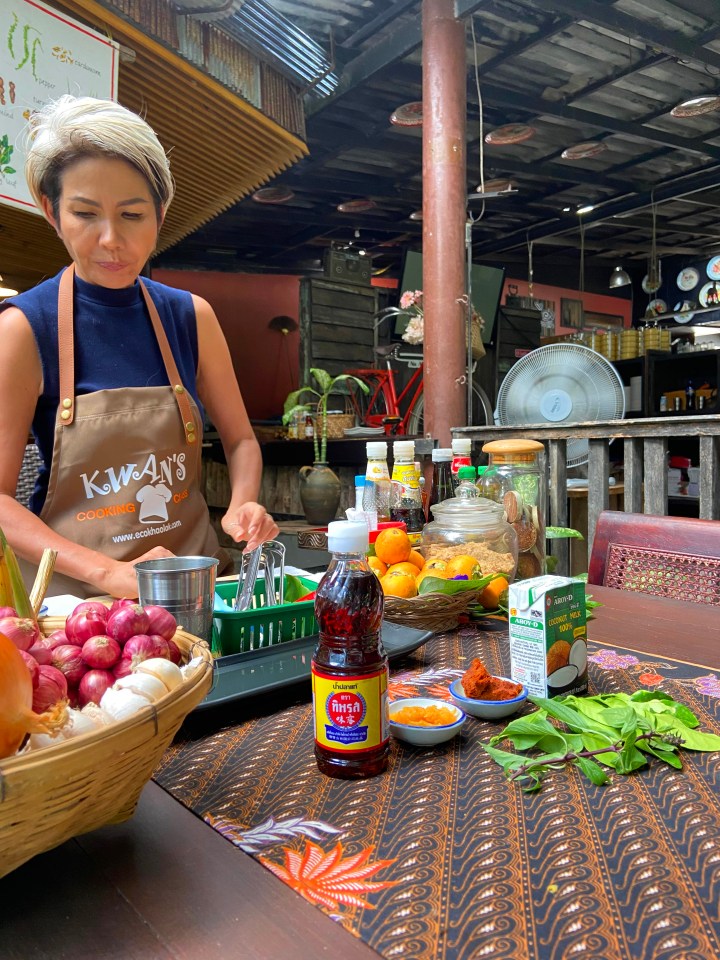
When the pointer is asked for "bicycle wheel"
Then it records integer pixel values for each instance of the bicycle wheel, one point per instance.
(482, 411)
(370, 409)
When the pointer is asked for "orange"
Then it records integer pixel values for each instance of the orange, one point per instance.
(429, 573)
(439, 566)
(417, 558)
(490, 597)
(404, 567)
(463, 566)
(399, 585)
(393, 545)
(377, 566)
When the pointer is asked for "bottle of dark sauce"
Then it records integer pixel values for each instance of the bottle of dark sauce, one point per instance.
(349, 667)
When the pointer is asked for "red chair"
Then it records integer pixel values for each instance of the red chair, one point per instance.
(666, 556)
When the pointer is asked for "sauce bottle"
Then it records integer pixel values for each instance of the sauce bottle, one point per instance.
(405, 494)
(461, 451)
(378, 477)
(349, 666)
(442, 487)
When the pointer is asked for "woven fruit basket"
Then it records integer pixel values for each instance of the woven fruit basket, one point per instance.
(52, 794)
(433, 611)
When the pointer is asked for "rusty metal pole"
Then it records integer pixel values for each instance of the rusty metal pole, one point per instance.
(444, 215)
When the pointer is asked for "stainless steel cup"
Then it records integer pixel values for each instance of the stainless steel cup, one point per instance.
(183, 585)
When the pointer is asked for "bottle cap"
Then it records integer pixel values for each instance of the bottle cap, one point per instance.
(462, 447)
(404, 450)
(441, 454)
(466, 473)
(480, 471)
(360, 480)
(376, 449)
(347, 536)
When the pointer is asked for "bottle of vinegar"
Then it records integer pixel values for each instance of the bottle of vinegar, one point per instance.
(349, 667)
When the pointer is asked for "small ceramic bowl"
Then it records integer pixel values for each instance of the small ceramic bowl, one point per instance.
(424, 736)
(486, 709)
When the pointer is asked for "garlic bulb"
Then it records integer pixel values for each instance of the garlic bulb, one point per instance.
(144, 684)
(164, 670)
(189, 669)
(121, 704)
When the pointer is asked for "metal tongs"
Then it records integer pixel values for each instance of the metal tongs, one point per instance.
(266, 555)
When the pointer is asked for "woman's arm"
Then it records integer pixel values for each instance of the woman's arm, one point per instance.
(20, 386)
(218, 389)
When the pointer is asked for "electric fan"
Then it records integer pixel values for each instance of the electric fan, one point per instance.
(561, 383)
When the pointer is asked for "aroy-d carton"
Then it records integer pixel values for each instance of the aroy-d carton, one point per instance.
(548, 639)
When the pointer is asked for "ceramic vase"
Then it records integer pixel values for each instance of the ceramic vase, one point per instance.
(319, 493)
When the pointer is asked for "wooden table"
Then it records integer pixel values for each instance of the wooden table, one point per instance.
(165, 885)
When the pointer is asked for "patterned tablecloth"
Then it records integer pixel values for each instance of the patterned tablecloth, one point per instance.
(441, 857)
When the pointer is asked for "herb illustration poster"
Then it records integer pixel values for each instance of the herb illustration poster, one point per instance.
(43, 54)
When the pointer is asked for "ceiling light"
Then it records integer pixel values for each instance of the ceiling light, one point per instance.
(587, 208)
(566, 209)
(619, 278)
(696, 107)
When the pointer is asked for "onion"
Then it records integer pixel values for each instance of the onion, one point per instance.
(121, 704)
(68, 660)
(164, 670)
(93, 686)
(161, 621)
(57, 637)
(143, 647)
(144, 684)
(22, 631)
(16, 696)
(8, 612)
(121, 602)
(41, 651)
(79, 627)
(95, 605)
(127, 622)
(174, 652)
(52, 686)
(123, 668)
(101, 652)
(33, 666)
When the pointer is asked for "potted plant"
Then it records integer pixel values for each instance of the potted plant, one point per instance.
(319, 486)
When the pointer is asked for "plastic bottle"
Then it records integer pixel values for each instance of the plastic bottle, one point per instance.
(405, 495)
(461, 450)
(349, 666)
(378, 492)
(689, 396)
(359, 490)
(466, 488)
(442, 482)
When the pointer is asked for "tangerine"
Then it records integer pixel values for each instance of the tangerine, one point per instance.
(377, 566)
(440, 574)
(490, 597)
(393, 545)
(463, 566)
(399, 584)
(438, 565)
(404, 567)
(417, 558)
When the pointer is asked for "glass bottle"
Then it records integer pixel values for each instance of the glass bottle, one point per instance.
(517, 470)
(466, 488)
(349, 666)
(472, 526)
(442, 487)
(309, 427)
(405, 495)
(461, 451)
(689, 396)
(377, 472)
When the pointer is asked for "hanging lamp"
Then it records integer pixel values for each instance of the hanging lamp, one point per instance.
(619, 278)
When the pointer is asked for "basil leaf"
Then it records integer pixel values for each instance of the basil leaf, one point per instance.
(592, 771)
(571, 718)
(508, 761)
(641, 696)
(667, 756)
(450, 587)
(598, 741)
(559, 533)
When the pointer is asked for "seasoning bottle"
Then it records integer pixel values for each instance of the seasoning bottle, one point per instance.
(690, 396)
(466, 488)
(349, 666)
(442, 487)
(309, 428)
(405, 495)
(461, 450)
(378, 490)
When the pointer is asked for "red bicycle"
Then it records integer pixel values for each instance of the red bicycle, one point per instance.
(402, 413)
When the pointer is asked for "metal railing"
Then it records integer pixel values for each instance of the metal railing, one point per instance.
(645, 465)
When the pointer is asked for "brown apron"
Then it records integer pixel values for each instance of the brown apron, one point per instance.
(126, 463)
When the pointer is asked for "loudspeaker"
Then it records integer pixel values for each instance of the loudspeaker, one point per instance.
(346, 266)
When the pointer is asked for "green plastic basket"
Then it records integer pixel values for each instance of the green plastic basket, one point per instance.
(262, 626)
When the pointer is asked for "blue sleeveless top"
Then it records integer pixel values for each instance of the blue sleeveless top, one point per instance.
(115, 346)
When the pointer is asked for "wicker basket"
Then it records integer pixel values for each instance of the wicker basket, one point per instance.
(48, 796)
(476, 341)
(434, 611)
(337, 424)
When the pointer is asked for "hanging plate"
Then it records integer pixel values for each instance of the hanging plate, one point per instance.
(356, 206)
(649, 287)
(683, 314)
(656, 307)
(582, 151)
(273, 195)
(408, 115)
(688, 278)
(713, 268)
(696, 107)
(703, 295)
(510, 133)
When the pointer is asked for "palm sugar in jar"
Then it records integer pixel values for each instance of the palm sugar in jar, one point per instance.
(516, 477)
(471, 526)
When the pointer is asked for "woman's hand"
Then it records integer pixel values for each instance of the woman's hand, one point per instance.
(121, 580)
(250, 522)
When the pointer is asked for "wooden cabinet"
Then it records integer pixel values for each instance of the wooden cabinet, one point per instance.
(664, 372)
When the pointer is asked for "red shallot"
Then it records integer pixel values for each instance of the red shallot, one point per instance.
(68, 660)
(174, 652)
(8, 612)
(95, 605)
(42, 651)
(21, 630)
(127, 622)
(93, 686)
(143, 647)
(57, 637)
(79, 627)
(52, 687)
(161, 621)
(32, 665)
(17, 718)
(101, 653)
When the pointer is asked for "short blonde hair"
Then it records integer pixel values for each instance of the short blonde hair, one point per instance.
(73, 128)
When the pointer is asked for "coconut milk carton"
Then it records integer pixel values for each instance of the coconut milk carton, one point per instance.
(548, 639)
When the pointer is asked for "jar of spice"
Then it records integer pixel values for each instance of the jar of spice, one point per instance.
(471, 526)
(516, 475)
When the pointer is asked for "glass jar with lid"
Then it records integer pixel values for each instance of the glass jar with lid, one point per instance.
(471, 526)
(516, 478)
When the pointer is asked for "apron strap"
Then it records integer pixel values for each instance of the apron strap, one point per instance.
(66, 356)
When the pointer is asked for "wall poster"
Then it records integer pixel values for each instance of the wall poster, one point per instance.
(43, 54)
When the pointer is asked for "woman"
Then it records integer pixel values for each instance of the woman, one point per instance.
(110, 370)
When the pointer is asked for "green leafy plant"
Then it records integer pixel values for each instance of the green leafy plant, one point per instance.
(327, 385)
(618, 731)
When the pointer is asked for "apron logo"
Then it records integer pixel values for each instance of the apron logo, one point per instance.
(153, 500)
(158, 473)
